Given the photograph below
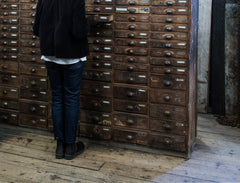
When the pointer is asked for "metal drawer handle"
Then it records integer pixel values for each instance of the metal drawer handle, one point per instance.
(167, 113)
(33, 15)
(131, 27)
(132, 19)
(129, 137)
(132, 3)
(4, 67)
(131, 60)
(34, 37)
(167, 62)
(96, 41)
(4, 35)
(34, 59)
(168, 45)
(168, 54)
(5, 13)
(169, 3)
(131, 43)
(96, 105)
(167, 83)
(169, 11)
(169, 20)
(130, 107)
(5, 104)
(4, 6)
(96, 65)
(97, 1)
(130, 122)
(34, 95)
(33, 52)
(168, 28)
(33, 109)
(167, 98)
(95, 118)
(33, 83)
(95, 90)
(5, 79)
(130, 68)
(33, 70)
(96, 57)
(130, 94)
(33, 44)
(131, 35)
(168, 141)
(131, 79)
(167, 126)
(96, 49)
(5, 43)
(132, 10)
(5, 57)
(4, 49)
(131, 51)
(96, 75)
(97, 9)
(5, 118)
(167, 71)
(34, 122)
(5, 92)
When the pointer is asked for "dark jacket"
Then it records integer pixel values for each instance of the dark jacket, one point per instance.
(62, 28)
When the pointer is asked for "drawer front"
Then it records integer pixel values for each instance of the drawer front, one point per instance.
(33, 82)
(168, 70)
(130, 78)
(34, 94)
(9, 66)
(98, 118)
(12, 43)
(35, 121)
(97, 75)
(102, 18)
(95, 131)
(9, 1)
(7, 57)
(132, 59)
(32, 44)
(168, 82)
(26, 21)
(9, 13)
(169, 27)
(98, 65)
(176, 143)
(169, 53)
(169, 36)
(9, 117)
(31, 58)
(161, 10)
(130, 93)
(133, 2)
(130, 67)
(168, 112)
(28, 6)
(102, 2)
(167, 97)
(132, 18)
(8, 50)
(170, 3)
(130, 121)
(26, 52)
(28, 36)
(131, 51)
(130, 136)
(9, 79)
(96, 89)
(132, 10)
(26, 28)
(7, 36)
(168, 127)
(132, 34)
(28, 14)
(96, 104)
(28, 1)
(34, 108)
(9, 104)
(131, 43)
(99, 9)
(9, 92)
(168, 44)
(130, 106)
(9, 28)
(169, 19)
(33, 69)
(9, 21)
(132, 26)
(101, 41)
(169, 62)
(100, 56)
(101, 49)
(100, 32)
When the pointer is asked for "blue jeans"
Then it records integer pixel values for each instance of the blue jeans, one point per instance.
(65, 82)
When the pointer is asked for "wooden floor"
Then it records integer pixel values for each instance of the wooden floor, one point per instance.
(27, 155)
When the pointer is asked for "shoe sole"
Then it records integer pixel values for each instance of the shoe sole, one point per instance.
(59, 156)
(70, 157)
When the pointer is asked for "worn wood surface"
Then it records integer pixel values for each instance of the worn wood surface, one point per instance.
(27, 155)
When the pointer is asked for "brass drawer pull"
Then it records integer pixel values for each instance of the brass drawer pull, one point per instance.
(33, 109)
(5, 104)
(131, 35)
(131, 43)
(167, 98)
(169, 3)
(167, 83)
(131, 60)
(167, 126)
(167, 113)
(5, 92)
(167, 71)
(132, 3)
(130, 122)
(130, 68)
(132, 19)
(129, 137)
(131, 27)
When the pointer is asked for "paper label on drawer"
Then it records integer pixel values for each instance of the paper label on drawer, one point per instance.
(182, 1)
(106, 87)
(13, 35)
(143, 34)
(181, 62)
(140, 90)
(43, 93)
(181, 44)
(180, 70)
(182, 27)
(179, 109)
(108, 8)
(103, 18)
(13, 42)
(13, 49)
(13, 13)
(13, 90)
(107, 64)
(143, 42)
(180, 80)
(105, 102)
(182, 10)
(106, 129)
(107, 73)
(107, 48)
(107, 56)
(43, 67)
(105, 115)
(142, 76)
(141, 105)
(13, 115)
(121, 9)
(108, 0)
(43, 80)
(42, 120)
(13, 56)
(108, 40)
(13, 76)
(42, 106)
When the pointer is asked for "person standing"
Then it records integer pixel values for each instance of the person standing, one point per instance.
(62, 28)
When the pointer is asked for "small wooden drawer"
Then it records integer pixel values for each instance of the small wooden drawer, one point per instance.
(8, 57)
(169, 53)
(9, 79)
(167, 97)
(132, 18)
(169, 27)
(100, 57)
(9, 92)
(95, 131)
(9, 21)
(133, 2)
(33, 69)
(169, 82)
(9, 66)
(130, 120)
(130, 67)
(98, 118)
(9, 51)
(100, 2)
(100, 41)
(132, 9)
(27, 52)
(100, 49)
(96, 104)
(31, 58)
(29, 37)
(8, 104)
(169, 62)
(168, 44)
(8, 116)
(9, 42)
(130, 106)
(33, 82)
(161, 10)
(129, 136)
(96, 88)
(103, 18)
(98, 65)
(132, 59)
(131, 51)
(132, 34)
(33, 43)
(28, 6)
(168, 112)
(26, 28)
(170, 2)
(97, 75)
(34, 94)
(132, 26)
(168, 127)
(176, 143)
(131, 43)
(99, 9)
(26, 21)
(168, 70)
(32, 120)
(130, 93)
(9, 6)
(28, 1)
(28, 14)
(33, 108)
(12, 36)
(169, 19)
(169, 36)
(9, 13)
(100, 32)
(130, 78)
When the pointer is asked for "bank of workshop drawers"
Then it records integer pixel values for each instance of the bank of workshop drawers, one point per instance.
(135, 86)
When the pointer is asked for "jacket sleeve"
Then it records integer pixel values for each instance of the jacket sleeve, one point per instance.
(80, 26)
(37, 18)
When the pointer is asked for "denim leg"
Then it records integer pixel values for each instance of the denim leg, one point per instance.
(72, 84)
(55, 73)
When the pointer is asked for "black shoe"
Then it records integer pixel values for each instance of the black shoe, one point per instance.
(74, 149)
(60, 149)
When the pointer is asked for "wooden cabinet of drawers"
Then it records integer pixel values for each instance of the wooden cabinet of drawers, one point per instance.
(139, 83)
